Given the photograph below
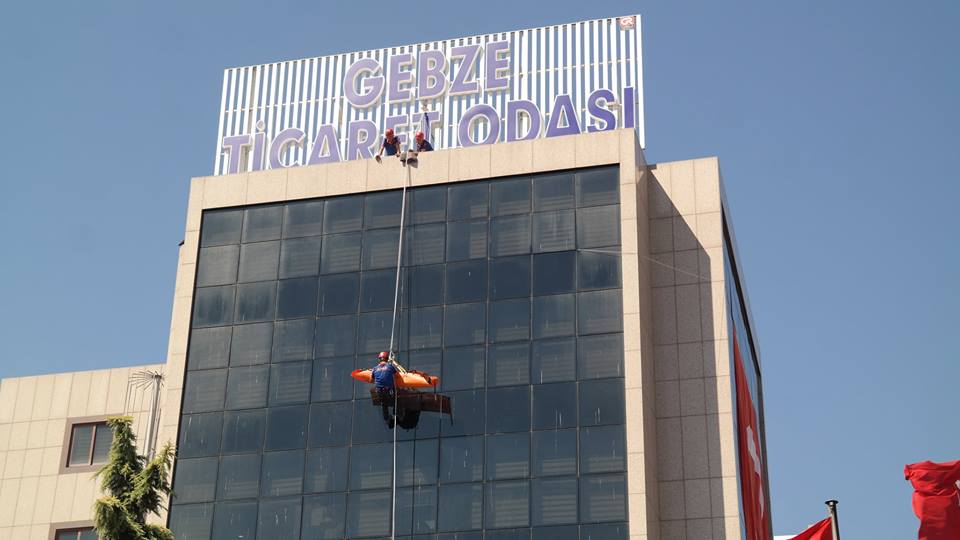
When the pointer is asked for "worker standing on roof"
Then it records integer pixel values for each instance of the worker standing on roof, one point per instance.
(421, 144)
(390, 145)
(383, 379)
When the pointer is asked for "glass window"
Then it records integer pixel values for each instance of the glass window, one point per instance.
(417, 510)
(555, 452)
(466, 201)
(293, 340)
(199, 435)
(600, 356)
(510, 197)
(460, 507)
(331, 379)
(221, 227)
(553, 192)
(468, 407)
(102, 441)
(561, 532)
(195, 480)
(508, 409)
(336, 336)
(235, 521)
(256, 301)
(461, 459)
(554, 501)
(599, 270)
(598, 186)
(259, 262)
(417, 462)
(601, 402)
(553, 231)
(323, 516)
(463, 367)
(89, 444)
(281, 473)
(554, 316)
(467, 281)
(377, 289)
(217, 265)
(602, 449)
(247, 387)
(204, 391)
(424, 285)
(605, 531)
(603, 498)
(213, 306)
(507, 504)
(508, 456)
(300, 257)
(382, 210)
(425, 328)
(290, 383)
(368, 514)
(368, 424)
(209, 348)
(424, 244)
(262, 223)
(466, 240)
(507, 534)
(555, 405)
(554, 273)
(326, 470)
(427, 205)
(343, 214)
(191, 521)
(330, 423)
(303, 218)
(251, 344)
(380, 248)
(553, 360)
(598, 226)
(297, 298)
(340, 253)
(286, 427)
(508, 364)
(243, 431)
(509, 236)
(509, 320)
(599, 312)
(279, 519)
(374, 332)
(371, 466)
(510, 277)
(464, 324)
(338, 294)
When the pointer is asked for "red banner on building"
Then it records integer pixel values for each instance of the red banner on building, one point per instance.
(756, 518)
(936, 499)
(821, 530)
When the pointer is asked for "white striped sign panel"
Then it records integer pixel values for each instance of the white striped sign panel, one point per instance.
(585, 76)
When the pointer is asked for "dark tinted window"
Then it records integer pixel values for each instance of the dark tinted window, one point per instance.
(508, 409)
(330, 423)
(602, 449)
(509, 235)
(279, 519)
(247, 387)
(380, 249)
(235, 520)
(464, 324)
(290, 383)
(553, 231)
(221, 227)
(554, 501)
(243, 431)
(600, 356)
(601, 402)
(554, 316)
(262, 223)
(335, 336)
(554, 273)
(300, 257)
(200, 435)
(204, 391)
(554, 452)
(217, 265)
(508, 364)
(256, 301)
(323, 516)
(338, 294)
(303, 219)
(428, 204)
(382, 210)
(213, 306)
(603, 498)
(281, 473)
(196, 479)
(509, 277)
(293, 340)
(286, 427)
(467, 201)
(553, 360)
(461, 459)
(598, 226)
(466, 281)
(460, 507)
(466, 240)
(343, 214)
(554, 405)
(424, 244)
(340, 253)
(239, 477)
(509, 320)
(259, 262)
(510, 197)
(331, 379)
(326, 470)
(599, 270)
(599, 312)
(424, 285)
(507, 504)
(209, 348)
(251, 344)
(553, 192)
(598, 186)
(376, 290)
(508, 456)
(463, 367)
(297, 298)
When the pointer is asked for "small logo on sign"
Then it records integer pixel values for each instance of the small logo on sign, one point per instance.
(627, 23)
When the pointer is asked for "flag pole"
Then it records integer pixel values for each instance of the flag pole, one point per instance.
(834, 523)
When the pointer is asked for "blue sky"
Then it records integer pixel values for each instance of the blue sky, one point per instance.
(835, 123)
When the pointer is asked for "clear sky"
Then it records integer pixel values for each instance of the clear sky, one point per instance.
(836, 124)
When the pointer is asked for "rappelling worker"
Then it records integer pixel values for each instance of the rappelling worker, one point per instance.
(383, 380)
(390, 145)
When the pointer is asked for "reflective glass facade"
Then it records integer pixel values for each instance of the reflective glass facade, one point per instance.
(510, 293)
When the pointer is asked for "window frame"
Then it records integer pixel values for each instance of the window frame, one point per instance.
(65, 467)
(70, 526)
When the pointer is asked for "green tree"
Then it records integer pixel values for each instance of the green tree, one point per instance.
(134, 486)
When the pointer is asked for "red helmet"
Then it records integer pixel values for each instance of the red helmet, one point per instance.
(389, 133)
(419, 136)
(384, 355)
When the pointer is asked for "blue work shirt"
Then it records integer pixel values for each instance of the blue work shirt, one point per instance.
(383, 375)
(390, 148)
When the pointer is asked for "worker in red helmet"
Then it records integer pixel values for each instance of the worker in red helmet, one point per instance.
(421, 144)
(390, 145)
(384, 384)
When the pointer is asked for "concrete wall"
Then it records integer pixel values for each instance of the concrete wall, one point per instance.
(34, 417)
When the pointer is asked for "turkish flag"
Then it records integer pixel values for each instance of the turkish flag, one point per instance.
(755, 516)
(820, 530)
(936, 499)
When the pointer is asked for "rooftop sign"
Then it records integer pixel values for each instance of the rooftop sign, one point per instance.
(541, 82)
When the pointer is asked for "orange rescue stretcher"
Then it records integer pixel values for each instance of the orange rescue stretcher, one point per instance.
(402, 379)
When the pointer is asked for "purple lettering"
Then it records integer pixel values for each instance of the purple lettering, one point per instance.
(285, 139)
(326, 139)
(259, 141)
(562, 110)
(629, 107)
(515, 111)
(598, 112)
(401, 80)
(464, 81)
(430, 79)
(497, 60)
(233, 146)
(372, 86)
(361, 147)
(471, 117)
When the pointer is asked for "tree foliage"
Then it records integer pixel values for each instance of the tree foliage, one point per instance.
(134, 488)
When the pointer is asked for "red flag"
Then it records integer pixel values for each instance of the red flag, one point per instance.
(820, 530)
(755, 516)
(936, 499)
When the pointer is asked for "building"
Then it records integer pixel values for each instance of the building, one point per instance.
(584, 310)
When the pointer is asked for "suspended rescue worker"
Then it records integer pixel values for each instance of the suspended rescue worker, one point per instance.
(384, 384)
(390, 145)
